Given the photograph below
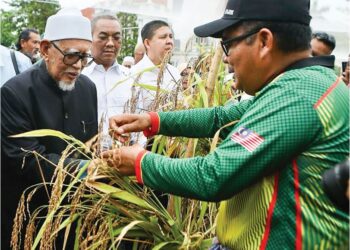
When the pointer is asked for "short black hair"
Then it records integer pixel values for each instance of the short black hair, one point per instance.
(290, 37)
(102, 17)
(25, 35)
(149, 29)
(326, 38)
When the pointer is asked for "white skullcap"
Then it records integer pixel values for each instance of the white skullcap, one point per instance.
(68, 23)
(182, 66)
(129, 59)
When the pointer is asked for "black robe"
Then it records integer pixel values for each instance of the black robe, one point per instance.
(30, 101)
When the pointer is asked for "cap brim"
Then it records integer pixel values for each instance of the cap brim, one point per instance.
(214, 28)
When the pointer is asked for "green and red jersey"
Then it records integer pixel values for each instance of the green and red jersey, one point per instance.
(267, 170)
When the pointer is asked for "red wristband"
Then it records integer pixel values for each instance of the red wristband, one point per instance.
(154, 128)
(138, 171)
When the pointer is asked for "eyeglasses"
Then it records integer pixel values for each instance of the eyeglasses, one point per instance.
(227, 43)
(71, 58)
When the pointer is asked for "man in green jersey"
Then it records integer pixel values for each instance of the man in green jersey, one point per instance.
(267, 170)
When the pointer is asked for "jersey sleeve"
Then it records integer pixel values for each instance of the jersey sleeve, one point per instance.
(200, 123)
(273, 131)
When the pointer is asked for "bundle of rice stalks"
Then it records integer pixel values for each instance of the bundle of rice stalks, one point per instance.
(108, 210)
(103, 210)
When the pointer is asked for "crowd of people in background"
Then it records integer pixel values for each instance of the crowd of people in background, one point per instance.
(69, 80)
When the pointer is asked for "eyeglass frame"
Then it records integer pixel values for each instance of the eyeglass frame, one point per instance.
(79, 55)
(226, 44)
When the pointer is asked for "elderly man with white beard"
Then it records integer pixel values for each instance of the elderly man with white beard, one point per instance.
(51, 95)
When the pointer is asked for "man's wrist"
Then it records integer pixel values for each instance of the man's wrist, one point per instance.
(138, 165)
(153, 129)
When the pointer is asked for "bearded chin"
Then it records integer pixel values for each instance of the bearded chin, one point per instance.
(66, 86)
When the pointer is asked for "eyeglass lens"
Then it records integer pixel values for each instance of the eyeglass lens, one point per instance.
(228, 43)
(72, 58)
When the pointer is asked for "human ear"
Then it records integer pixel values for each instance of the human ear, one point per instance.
(22, 42)
(266, 41)
(44, 49)
(146, 44)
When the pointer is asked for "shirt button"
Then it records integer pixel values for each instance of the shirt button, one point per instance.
(66, 116)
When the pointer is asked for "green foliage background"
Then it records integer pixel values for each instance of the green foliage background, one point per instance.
(25, 14)
(130, 34)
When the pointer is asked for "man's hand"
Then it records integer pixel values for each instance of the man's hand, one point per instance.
(126, 123)
(123, 158)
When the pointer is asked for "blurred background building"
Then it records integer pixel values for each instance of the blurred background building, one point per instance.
(329, 16)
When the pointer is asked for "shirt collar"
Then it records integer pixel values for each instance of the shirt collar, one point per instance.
(94, 66)
(147, 61)
(325, 61)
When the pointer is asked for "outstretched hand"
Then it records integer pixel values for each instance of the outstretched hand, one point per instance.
(126, 123)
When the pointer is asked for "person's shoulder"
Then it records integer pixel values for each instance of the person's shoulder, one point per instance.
(139, 65)
(310, 79)
(85, 81)
(89, 69)
(85, 88)
(23, 61)
(137, 68)
(22, 58)
(22, 80)
(306, 84)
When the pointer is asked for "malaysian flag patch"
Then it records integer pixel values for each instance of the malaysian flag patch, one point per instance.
(247, 138)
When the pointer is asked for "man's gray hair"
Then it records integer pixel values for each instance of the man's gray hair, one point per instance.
(103, 17)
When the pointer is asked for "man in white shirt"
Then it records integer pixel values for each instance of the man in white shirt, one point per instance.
(157, 38)
(105, 72)
(7, 64)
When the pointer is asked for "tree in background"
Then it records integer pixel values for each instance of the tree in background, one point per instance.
(25, 14)
(130, 34)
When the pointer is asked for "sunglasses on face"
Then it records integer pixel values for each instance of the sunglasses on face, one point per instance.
(226, 44)
(70, 58)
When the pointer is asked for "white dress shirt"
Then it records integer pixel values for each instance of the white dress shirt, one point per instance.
(7, 69)
(149, 77)
(112, 91)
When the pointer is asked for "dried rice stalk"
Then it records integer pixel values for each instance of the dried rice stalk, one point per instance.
(18, 224)
(162, 68)
(213, 72)
(49, 234)
(30, 232)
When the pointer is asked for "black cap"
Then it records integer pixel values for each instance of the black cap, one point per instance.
(293, 11)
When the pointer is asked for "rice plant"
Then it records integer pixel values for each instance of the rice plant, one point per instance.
(104, 210)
